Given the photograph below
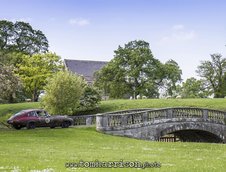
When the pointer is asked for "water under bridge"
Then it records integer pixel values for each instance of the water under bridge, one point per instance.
(185, 124)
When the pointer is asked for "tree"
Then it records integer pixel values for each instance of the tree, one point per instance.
(64, 91)
(112, 83)
(34, 71)
(10, 84)
(21, 37)
(130, 69)
(134, 71)
(19, 40)
(193, 88)
(6, 35)
(11, 58)
(213, 73)
(172, 76)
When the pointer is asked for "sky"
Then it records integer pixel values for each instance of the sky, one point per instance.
(187, 31)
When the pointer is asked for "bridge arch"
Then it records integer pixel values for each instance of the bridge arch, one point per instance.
(190, 132)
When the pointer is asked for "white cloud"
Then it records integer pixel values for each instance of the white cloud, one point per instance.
(79, 22)
(178, 34)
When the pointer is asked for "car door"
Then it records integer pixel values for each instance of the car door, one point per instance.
(41, 118)
(44, 119)
(33, 117)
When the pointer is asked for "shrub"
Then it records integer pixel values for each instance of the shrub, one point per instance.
(63, 93)
(90, 99)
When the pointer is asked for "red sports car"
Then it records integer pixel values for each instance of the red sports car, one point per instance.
(33, 118)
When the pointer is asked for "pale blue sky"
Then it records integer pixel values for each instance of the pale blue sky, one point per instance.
(187, 31)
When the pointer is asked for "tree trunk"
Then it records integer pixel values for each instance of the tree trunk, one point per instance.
(35, 96)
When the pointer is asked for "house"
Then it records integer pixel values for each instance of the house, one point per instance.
(85, 68)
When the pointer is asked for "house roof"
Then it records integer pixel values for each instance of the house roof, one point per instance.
(85, 68)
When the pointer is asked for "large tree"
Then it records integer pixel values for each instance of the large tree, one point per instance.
(133, 71)
(34, 71)
(21, 37)
(213, 73)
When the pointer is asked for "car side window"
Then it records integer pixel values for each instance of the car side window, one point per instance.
(41, 113)
(46, 114)
(32, 114)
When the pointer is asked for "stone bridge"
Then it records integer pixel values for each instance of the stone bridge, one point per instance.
(185, 124)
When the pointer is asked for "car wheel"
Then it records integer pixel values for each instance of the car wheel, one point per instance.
(17, 127)
(65, 124)
(53, 126)
(31, 125)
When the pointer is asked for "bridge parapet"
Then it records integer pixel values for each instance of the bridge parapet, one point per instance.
(114, 121)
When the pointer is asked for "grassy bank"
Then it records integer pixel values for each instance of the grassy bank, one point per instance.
(7, 110)
(47, 149)
(113, 105)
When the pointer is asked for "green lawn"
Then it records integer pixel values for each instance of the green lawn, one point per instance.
(48, 150)
(113, 105)
(40, 149)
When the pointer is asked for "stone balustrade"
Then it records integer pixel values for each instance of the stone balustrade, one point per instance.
(111, 121)
(91, 119)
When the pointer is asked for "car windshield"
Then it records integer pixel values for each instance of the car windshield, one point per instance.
(19, 113)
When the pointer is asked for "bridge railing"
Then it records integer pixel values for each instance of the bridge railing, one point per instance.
(91, 119)
(114, 120)
(84, 119)
(123, 112)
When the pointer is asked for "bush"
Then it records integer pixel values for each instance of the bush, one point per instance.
(90, 99)
(63, 93)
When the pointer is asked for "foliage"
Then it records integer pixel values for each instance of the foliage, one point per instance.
(194, 88)
(64, 91)
(213, 73)
(173, 74)
(19, 42)
(135, 71)
(11, 58)
(89, 99)
(21, 37)
(113, 84)
(34, 71)
(10, 84)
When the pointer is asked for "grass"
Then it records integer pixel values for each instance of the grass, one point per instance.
(49, 149)
(113, 105)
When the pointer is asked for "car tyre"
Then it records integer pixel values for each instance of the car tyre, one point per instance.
(17, 127)
(53, 126)
(31, 125)
(65, 124)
